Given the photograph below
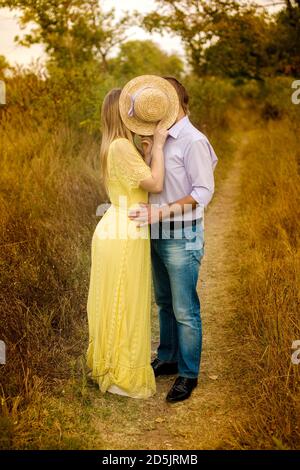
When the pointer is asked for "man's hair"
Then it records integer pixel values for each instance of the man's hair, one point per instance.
(181, 92)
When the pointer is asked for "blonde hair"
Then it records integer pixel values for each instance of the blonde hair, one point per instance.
(112, 127)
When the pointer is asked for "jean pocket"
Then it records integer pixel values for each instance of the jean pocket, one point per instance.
(194, 238)
(172, 233)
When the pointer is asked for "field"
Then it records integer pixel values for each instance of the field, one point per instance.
(249, 283)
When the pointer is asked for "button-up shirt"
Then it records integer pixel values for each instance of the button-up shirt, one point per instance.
(190, 161)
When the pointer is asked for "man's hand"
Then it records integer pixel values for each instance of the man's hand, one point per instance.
(146, 214)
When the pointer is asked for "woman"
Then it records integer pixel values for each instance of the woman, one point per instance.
(120, 287)
(119, 299)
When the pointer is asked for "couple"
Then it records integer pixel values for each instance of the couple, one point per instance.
(157, 197)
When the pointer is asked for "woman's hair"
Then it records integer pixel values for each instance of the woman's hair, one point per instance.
(181, 92)
(112, 127)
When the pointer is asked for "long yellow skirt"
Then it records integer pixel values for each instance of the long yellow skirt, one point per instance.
(119, 306)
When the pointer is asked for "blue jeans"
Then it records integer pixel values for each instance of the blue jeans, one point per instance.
(175, 268)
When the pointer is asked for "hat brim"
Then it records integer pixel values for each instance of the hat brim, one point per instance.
(135, 124)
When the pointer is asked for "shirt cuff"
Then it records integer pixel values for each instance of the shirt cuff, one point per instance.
(202, 196)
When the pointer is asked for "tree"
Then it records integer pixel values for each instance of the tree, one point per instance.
(286, 40)
(73, 31)
(142, 58)
(194, 21)
(231, 38)
(242, 46)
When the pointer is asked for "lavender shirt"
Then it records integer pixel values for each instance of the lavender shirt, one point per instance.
(190, 161)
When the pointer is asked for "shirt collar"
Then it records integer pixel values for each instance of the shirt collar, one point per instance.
(175, 130)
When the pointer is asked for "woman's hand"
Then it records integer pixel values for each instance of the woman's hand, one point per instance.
(155, 182)
(160, 136)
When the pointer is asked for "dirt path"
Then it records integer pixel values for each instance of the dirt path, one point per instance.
(204, 421)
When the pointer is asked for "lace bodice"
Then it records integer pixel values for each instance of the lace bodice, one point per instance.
(126, 169)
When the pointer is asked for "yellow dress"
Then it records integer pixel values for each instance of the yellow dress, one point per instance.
(119, 298)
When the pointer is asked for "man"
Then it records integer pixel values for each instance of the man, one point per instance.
(177, 247)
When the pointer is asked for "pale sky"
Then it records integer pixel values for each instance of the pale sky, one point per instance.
(16, 54)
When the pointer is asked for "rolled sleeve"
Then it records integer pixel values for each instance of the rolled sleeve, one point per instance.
(202, 196)
(200, 162)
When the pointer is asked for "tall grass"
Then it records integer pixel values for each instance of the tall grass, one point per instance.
(269, 297)
(49, 191)
(48, 199)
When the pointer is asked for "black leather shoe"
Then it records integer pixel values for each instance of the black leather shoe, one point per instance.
(181, 389)
(164, 368)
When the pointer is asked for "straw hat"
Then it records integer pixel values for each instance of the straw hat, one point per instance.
(146, 100)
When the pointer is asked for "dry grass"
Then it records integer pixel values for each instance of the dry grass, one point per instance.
(48, 199)
(49, 194)
(268, 297)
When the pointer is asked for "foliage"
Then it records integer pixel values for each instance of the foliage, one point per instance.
(209, 101)
(144, 57)
(193, 21)
(232, 39)
(221, 38)
(241, 50)
(271, 98)
(285, 41)
(73, 31)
